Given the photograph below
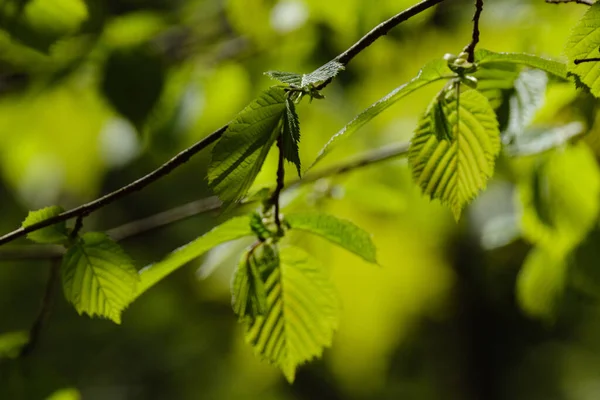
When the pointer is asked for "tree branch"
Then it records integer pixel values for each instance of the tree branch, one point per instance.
(586, 2)
(181, 158)
(131, 229)
(470, 48)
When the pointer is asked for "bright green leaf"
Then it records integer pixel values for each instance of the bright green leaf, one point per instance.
(556, 68)
(583, 43)
(291, 135)
(239, 155)
(302, 314)
(540, 139)
(98, 277)
(234, 228)
(54, 234)
(431, 72)
(338, 231)
(454, 171)
(493, 80)
(65, 394)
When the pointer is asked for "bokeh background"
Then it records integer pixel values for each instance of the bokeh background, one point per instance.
(95, 94)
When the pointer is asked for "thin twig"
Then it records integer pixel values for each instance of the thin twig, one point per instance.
(131, 229)
(44, 313)
(586, 2)
(470, 48)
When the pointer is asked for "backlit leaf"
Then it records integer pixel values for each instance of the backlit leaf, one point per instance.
(322, 74)
(54, 234)
(556, 68)
(291, 135)
(583, 43)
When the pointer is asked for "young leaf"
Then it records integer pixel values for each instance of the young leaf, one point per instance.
(528, 97)
(583, 43)
(322, 74)
(431, 72)
(289, 78)
(240, 153)
(338, 231)
(98, 277)
(248, 294)
(302, 313)
(234, 228)
(556, 68)
(54, 234)
(291, 135)
(454, 171)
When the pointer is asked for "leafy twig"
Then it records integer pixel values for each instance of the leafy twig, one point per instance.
(470, 48)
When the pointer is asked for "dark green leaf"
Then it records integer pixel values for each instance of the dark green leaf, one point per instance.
(291, 135)
(98, 277)
(55, 234)
(239, 155)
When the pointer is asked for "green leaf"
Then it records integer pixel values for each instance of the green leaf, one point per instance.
(583, 43)
(541, 282)
(528, 98)
(493, 80)
(54, 234)
(289, 78)
(561, 199)
(541, 139)
(338, 231)
(322, 74)
(248, 294)
(239, 155)
(65, 394)
(291, 135)
(234, 228)
(302, 313)
(556, 68)
(431, 72)
(98, 277)
(454, 171)
(11, 343)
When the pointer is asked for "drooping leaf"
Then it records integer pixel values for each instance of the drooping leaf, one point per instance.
(338, 231)
(583, 43)
(289, 78)
(54, 234)
(322, 74)
(541, 282)
(302, 313)
(98, 277)
(291, 135)
(431, 72)
(556, 68)
(541, 139)
(239, 155)
(454, 171)
(561, 199)
(234, 228)
(11, 343)
(248, 294)
(528, 97)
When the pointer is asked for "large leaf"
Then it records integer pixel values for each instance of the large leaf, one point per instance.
(54, 234)
(98, 277)
(240, 153)
(556, 68)
(528, 97)
(583, 43)
(291, 135)
(338, 231)
(455, 170)
(302, 313)
(234, 228)
(561, 199)
(431, 72)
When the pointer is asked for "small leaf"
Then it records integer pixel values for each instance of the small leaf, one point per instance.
(288, 78)
(431, 72)
(338, 231)
(291, 135)
(583, 43)
(322, 74)
(541, 139)
(98, 277)
(302, 313)
(528, 98)
(556, 68)
(239, 155)
(454, 171)
(234, 228)
(54, 234)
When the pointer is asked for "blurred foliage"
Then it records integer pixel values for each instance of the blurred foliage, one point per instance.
(95, 94)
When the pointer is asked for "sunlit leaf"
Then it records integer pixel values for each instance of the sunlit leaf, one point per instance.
(54, 234)
(338, 231)
(302, 313)
(493, 80)
(65, 394)
(431, 72)
(291, 135)
(583, 43)
(455, 170)
(239, 155)
(234, 228)
(98, 277)
(289, 78)
(556, 68)
(322, 74)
